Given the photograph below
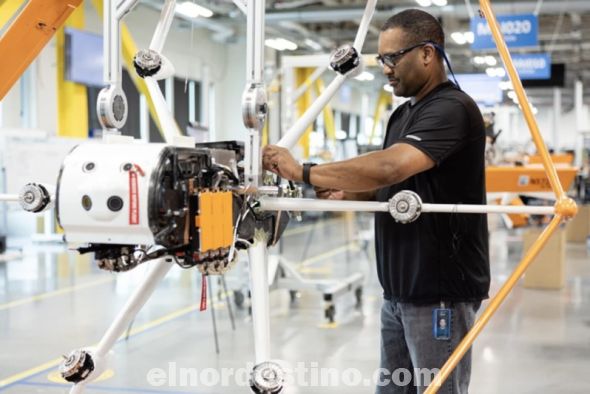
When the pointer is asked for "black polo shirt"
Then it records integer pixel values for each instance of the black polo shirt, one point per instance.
(439, 257)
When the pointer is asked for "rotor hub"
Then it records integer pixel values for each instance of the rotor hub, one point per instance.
(344, 59)
(77, 366)
(112, 107)
(267, 378)
(254, 106)
(405, 206)
(147, 62)
(34, 197)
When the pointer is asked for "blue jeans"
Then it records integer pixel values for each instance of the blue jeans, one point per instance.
(410, 355)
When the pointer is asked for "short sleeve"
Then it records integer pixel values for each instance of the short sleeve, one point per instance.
(438, 129)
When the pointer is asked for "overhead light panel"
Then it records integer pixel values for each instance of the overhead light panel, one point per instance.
(280, 44)
(365, 76)
(424, 3)
(388, 88)
(440, 3)
(479, 60)
(496, 72)
(459, 38)
(491, 61)
(192, 10)
(463, 37)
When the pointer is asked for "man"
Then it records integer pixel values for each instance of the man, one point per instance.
(434, 271)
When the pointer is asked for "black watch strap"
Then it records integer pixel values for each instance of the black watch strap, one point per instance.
(306, 172)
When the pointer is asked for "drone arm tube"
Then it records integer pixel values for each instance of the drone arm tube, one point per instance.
(364, 26)
(296, 131)
(163, 27)
(111, 45)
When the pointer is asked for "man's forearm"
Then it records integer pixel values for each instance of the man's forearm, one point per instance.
(359, 175)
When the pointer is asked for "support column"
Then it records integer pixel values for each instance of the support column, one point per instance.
(580, 119)
(556, 118)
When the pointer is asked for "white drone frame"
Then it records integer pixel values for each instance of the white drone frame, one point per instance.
(254, 112)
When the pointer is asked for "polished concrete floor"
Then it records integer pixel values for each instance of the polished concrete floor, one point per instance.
(53, 301)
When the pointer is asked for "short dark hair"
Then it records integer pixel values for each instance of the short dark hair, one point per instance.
(418, 25)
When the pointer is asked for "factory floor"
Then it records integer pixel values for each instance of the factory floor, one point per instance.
(53, 301)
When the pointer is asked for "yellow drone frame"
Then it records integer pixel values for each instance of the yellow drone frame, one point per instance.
(565, 207)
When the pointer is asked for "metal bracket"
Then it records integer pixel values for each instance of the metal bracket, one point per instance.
(111, 107)
(254, 106)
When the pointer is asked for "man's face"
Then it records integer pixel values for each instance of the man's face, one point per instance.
(406, 77)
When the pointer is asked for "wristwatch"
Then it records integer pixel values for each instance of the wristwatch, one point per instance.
(306, 172)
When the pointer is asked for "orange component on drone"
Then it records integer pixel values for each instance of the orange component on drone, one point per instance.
(215, 220)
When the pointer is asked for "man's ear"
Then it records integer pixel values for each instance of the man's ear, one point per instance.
(429, 54)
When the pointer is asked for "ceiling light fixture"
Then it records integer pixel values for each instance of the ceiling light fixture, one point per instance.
(424, 3)
(496, 72)
(192, 10)
(479, 60)
(459, 38)
(365, 76)
(491, 61)
(440, 3)
(280, 44)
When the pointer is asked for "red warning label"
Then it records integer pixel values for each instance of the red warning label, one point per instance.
(133, 198)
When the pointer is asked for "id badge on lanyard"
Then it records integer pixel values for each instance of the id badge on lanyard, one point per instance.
(441, 323)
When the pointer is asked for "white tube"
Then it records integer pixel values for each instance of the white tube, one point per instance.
(133, 306)
(78, 388)
(124, 7)
(111, 73)
(241, 5)
(296, 131)
(255, 42)
(167, 122)
(252, 158)
(260, 301)
(260, 8)
(359, 40)
(163, 26)
(312, 78)
(9, 197)
(465, 208)
(309, 204)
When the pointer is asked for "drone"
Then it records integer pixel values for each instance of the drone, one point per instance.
(197, 204)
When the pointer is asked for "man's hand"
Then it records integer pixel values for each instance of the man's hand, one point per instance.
(280, 161)
(329, 194)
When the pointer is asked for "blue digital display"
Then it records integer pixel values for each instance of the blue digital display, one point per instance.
(84, 60)
(518, 31)
(533, 66)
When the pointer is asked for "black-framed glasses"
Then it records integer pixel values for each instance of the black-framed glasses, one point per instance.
(392, 59)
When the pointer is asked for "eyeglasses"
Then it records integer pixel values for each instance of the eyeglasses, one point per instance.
(392, 59)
